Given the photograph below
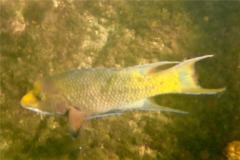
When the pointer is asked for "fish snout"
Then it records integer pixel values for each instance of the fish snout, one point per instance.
(29, 100)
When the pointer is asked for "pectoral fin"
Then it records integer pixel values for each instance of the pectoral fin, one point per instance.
(76, 119)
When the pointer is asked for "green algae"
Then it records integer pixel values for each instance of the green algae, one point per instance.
(41, 38)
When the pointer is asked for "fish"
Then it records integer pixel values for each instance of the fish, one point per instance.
(85, 94)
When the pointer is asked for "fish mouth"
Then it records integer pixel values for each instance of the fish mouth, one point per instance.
(30, 102)
(36, 110)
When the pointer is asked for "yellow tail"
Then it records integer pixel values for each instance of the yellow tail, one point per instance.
(188, 80)
(174, 77)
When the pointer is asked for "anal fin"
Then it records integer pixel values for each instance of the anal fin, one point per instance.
(149, 104)
(106, 114)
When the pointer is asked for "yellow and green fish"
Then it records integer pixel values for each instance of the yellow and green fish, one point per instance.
(91, 93)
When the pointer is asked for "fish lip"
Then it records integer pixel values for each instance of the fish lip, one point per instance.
(36, 110)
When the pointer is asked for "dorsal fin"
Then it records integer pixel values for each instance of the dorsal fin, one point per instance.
(153, 67)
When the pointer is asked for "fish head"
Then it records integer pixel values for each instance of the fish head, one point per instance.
(43, 99)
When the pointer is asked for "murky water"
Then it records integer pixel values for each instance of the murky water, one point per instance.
(41, 38)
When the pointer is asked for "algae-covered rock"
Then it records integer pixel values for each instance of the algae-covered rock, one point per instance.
(232, 150)
(42, 38)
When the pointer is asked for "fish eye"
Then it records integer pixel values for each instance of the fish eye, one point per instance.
(38, 96)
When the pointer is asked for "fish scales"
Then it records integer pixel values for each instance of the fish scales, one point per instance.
(100, 90)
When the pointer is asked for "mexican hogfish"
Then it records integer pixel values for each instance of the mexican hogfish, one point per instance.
(91, 93)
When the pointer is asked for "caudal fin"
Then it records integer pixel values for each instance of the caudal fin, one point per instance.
(188, 80)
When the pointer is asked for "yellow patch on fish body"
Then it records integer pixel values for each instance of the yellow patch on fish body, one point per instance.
(93, 93)
(169, 82)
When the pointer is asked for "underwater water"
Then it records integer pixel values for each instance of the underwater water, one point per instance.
(42, 38)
